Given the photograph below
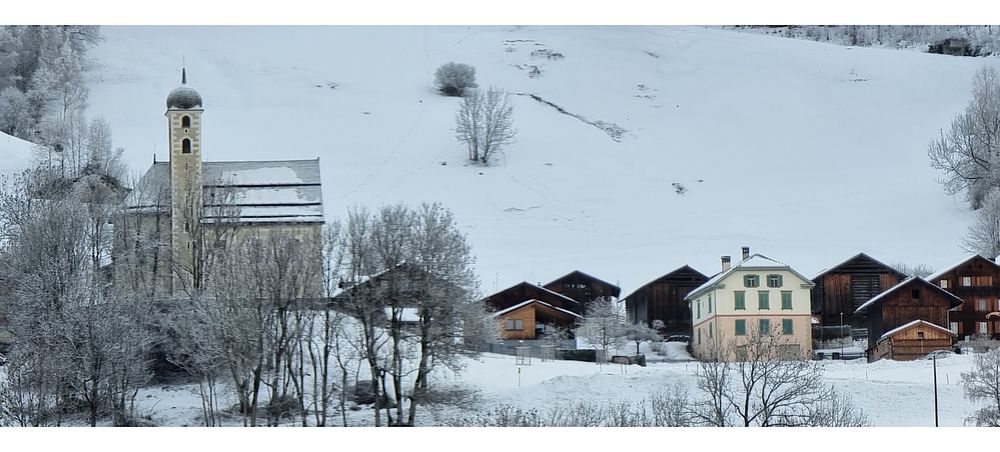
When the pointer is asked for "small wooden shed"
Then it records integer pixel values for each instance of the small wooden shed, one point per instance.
(911, 341)
(532, 319)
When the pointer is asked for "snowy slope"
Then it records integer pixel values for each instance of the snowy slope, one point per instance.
(15, 154)
(807, 152)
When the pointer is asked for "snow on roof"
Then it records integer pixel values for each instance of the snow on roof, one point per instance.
(864, 306)
(911, 324)
(956, 264)
(757, 261)
(527, 302)
(287, 191)
(827, 270)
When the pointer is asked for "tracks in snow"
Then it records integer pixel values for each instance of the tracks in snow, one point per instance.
(613, 130)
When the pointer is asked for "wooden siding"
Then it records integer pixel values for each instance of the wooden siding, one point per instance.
(906, 345)
(846, 287)
(969, 315)
(663, 299)
(583, 288)
(899, 307)
(526, 314)
(525, 291)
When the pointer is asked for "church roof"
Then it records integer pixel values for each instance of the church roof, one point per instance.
(184, 97)
(284, 191)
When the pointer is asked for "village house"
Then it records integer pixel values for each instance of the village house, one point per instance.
(663, 299)
(840, 290)
(976, 281)
(756, 296)
(526, 311)
(584, 288)
(187, 205)
(909, 301)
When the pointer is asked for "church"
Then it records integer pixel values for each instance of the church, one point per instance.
(185, 206)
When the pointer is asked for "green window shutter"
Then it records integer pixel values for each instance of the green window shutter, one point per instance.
(746, 281)
(762, 300)
(699, 308)
(786, 326)
(765, 327)
(741, 299)
(786, 300)
(741, 327)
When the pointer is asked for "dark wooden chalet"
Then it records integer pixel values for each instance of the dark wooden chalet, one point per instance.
(844, 287)
(976, 280)
(583, 288)
(525, 291)
(913, 299)
(663, 299)
(913, 340)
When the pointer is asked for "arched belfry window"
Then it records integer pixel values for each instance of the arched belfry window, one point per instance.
(186, 122)
(186, 146)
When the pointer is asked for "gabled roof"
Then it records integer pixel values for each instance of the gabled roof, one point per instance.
(912, 324)
(558, 295)
(959, 264)
(528, 302)
(678, 270)
(955, 301)
(755, 262)
(285, 191)
(852, 258)
(617, 290)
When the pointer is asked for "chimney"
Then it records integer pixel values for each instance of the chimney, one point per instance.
(726, 263)
(746, 252)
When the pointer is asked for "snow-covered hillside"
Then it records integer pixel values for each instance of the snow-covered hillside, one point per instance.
(807, 152)
(15, 154)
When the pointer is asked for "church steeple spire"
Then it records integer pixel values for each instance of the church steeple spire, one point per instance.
(184, 77)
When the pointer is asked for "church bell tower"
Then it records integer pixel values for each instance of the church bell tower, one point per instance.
(184, 109)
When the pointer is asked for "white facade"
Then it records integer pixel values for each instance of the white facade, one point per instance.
(755, 294)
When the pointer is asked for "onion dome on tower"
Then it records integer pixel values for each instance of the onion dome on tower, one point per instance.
(183, 97)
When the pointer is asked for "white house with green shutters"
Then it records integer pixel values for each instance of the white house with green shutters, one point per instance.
(757, 294)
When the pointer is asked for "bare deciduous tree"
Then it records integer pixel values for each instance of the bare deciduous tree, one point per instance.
(603, 327)
(485, 124)
(982, 384)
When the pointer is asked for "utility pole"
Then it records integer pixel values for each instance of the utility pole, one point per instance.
(841, 338)
(934, 358)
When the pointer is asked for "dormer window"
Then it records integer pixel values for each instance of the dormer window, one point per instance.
(186, 122)
(186, 146)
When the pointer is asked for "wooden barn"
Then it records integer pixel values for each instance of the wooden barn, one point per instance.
(844, 287)
(525, 291)
(534, 319)
(976, 280)
(663, 299)
(913, 299)
(583, 288)
(913, 340)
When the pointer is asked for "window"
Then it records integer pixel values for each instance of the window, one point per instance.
(966, 281)
(773, 280)
(943, 284)
(741, 299)
(953, 326)
(786, 326)
(185, 121)
(981, 305)
(983, 327)
(185, 146)
(699, 336)
(741, 327)
(699, 309)
(765, 326)
(709, 303)
(915, 294)
(515, 324)
(751, 281)
(762, 300)
(710, 331)
(920, 335)
(786, 299)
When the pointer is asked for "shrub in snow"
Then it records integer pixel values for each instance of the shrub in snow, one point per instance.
(452, 78)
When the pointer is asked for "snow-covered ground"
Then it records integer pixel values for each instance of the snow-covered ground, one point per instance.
(807, 152)
(15, 154)
(891, 393)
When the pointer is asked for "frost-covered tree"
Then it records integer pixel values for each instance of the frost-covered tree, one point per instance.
(451, 79)
(968, 154)
(485, 124)
(603, 327)
(982, 385)
(639, 333)
(15, 116)
(983, 235)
